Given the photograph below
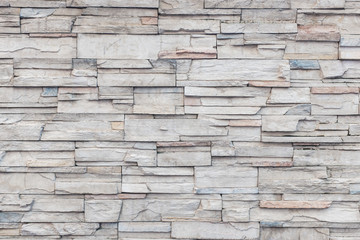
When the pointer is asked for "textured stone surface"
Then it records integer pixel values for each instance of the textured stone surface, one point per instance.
(179, 119)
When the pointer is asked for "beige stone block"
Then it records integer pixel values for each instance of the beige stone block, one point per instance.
(246, 4)
(300, 233)
(325, 33)
(173, 158)
(318, 4)
(17, 46)
(173, 25)
(289, 95)
(102, 210)
(111, 3)
(56, 229)
(311, 50)
(206, 230)
(294, 204)
(258, 28)
(40, 183)
(339, 104)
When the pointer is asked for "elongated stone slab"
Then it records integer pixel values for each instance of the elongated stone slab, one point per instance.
(48, 229)
(206, 230)
(17, 46)
(169, 129)
(110, 3)
(118, 46)
(247, 4)
(166, 209)
(184, 159)
(318, 4)
(324, 157)
(102, 210)
(42, 183)
(251, 150)
(246, 70)
(294, 204)
(306, 233)
(222, 179)
(311, 50)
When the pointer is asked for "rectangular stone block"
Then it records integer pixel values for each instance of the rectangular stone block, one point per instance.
(206, 230)
(318, 33)
(350, 41)
(118, 46)
(318, 4)
(91, 131)
(136, 80)
(252, 149)
(245, 70)
(166, 209)
(268, 15)
(21, 131)
(57, 229)
(251, 52)
(289, 95)
(237, 211)
(300, 180)
(350, 53)
(18, 46)
(336, 213)
(246, 4)
(56, 204)
(102, 210)
(306, 233)
(50, 78)
(284, 123)
(36, 146)
(221, 179)
(37, 159)
(311, 50)
(195, 7)
(48, 24)
(157, 100)
(169, 129)
(326, 157)
(117, 21)
(259, 28)
(174, 158)
(347, 23)
(173, 25)
(155, 180)
(294, 204)
(27, 183)
(49, 217)
(115, 156)
(97, 180)
(149, 227)
(337, 104)
(6, 71)
(110, 3)
(10, 21)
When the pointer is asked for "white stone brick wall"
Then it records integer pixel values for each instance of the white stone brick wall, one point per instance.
(179, 119)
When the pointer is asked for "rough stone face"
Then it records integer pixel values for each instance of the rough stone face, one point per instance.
(179, 119)
(216, 179)
(204, 230)
(17, 46)
(299, 233)
(102, 210)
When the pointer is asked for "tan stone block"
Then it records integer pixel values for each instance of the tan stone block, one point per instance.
(334, 90)
(294, 204)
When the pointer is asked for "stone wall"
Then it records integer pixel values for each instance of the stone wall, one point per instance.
(180, 119)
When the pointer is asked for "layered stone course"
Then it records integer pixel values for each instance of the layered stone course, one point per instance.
(179, 119)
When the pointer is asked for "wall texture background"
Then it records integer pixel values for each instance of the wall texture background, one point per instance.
(180, 119)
